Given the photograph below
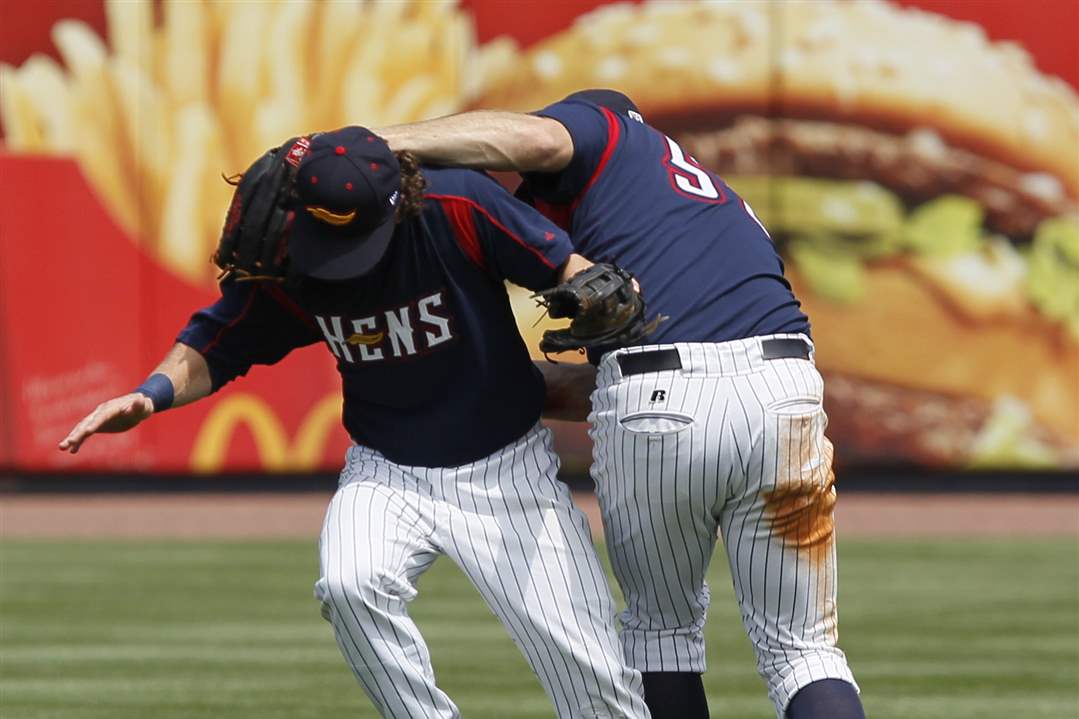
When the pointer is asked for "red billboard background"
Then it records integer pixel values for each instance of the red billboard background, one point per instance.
(1052, 43)
(87, 317)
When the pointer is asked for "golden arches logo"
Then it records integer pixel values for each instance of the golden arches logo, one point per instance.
(275, 451)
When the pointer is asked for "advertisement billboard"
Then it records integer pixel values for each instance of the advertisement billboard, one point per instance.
(917, 164)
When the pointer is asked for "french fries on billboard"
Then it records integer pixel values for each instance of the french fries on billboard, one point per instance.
(158, 113)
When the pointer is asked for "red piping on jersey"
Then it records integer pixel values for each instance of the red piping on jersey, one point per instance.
(289, 304)
(614, 131)
(472, 203)
(464, 229)
(221, 332)
(561, 215)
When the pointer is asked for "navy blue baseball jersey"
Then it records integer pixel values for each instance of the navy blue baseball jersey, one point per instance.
(632, 196)
(434, 371)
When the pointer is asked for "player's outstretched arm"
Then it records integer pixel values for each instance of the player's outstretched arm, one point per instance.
(183, 368)
(569, 390)
(486, 140)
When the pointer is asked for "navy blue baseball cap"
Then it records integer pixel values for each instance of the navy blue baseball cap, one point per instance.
(613, 100)
(348, 185)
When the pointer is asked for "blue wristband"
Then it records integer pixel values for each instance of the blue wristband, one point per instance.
(158, 388)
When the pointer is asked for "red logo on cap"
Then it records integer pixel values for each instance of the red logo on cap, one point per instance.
(298, 151)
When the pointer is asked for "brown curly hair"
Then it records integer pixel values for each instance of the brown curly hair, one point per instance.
(412, 186)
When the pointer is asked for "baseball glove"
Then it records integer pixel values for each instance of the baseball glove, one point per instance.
(605, 308)
(254, 240)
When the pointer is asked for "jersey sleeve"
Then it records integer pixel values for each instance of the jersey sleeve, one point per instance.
(591, 131)
(503, 235)
(250, 324)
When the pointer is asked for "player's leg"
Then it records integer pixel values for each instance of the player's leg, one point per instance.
(515, 532)
(778, 532)
(374, 545)
(655, 438)
(675, 695)
(826, 699)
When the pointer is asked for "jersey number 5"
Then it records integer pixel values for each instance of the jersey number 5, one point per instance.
(690, 179)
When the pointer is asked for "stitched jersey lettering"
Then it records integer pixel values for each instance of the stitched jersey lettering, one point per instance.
(399, 332)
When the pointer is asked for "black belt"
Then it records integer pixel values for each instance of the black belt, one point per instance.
(659, 360)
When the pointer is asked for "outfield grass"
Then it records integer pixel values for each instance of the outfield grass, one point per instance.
(173, 630)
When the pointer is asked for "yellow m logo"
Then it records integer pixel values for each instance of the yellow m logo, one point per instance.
(275, 451)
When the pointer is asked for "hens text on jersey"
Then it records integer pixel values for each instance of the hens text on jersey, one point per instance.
(396, 333)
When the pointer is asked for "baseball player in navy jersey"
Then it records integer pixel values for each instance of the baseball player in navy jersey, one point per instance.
(714, 427)
(399, 271)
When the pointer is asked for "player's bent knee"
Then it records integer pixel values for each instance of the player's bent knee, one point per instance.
(345, 592)
(325, 606)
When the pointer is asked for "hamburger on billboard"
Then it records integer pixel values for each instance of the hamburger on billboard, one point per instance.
(920, 181)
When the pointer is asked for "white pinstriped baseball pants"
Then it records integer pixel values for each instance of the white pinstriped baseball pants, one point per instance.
(514, 531)
(731, 444)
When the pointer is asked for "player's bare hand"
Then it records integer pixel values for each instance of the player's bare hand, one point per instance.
(117, 415)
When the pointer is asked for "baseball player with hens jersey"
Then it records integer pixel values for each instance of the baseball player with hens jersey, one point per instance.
(399, 271)
(713, 427)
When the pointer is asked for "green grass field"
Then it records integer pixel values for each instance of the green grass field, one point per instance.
(171, 630)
